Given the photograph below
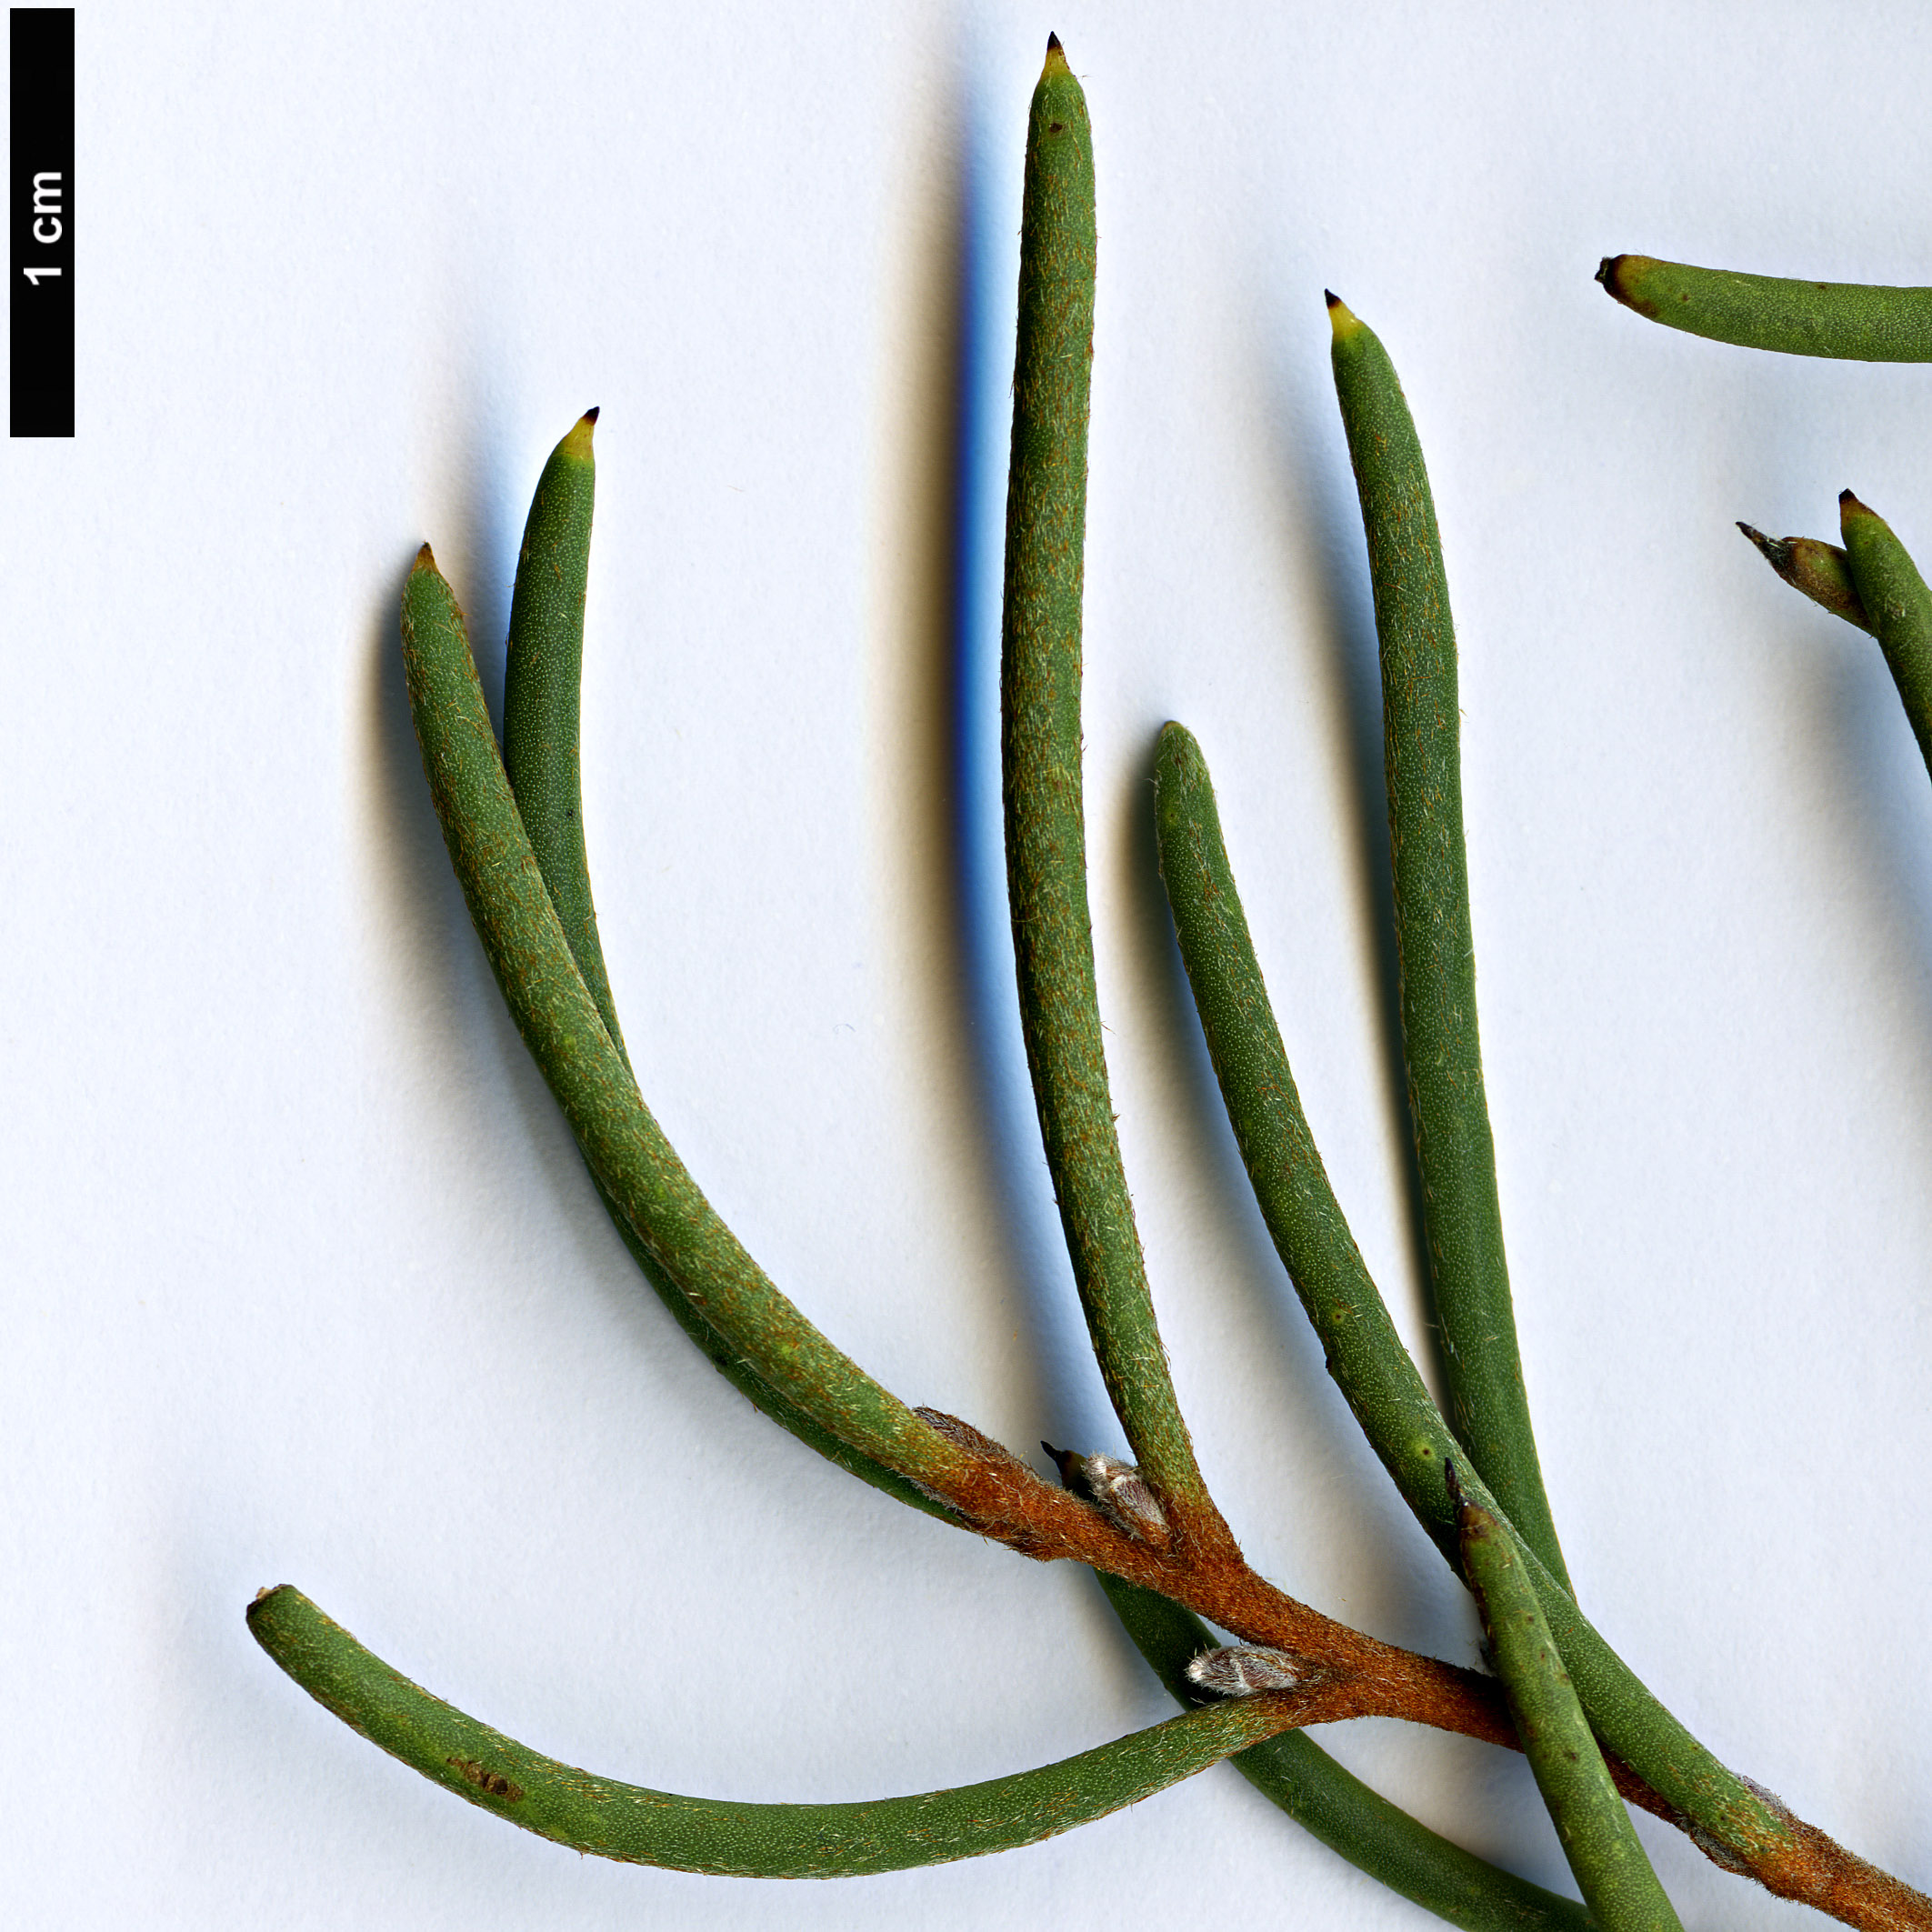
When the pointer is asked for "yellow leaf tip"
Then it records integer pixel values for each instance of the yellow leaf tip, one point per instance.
(1342, 319)
(1056, 57)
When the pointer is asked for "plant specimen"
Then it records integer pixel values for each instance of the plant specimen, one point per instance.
(1148, 1527)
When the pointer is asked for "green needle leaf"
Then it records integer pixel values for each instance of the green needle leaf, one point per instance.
(1040, 757)
(1598, 1836)
(1892, 591)
(553, 1011)
(642, 1827)
(542, 688)
(1365, 1355)
(543, 683)
(1848, 320)
(1422, 730)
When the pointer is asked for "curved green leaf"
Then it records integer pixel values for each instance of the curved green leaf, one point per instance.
(1365, 1355)
(1421, 736)
(558, 1021)
(542, 686)
(1052, 940)
(642, 1827)
(543, 682)
(1895, 597)
(1851, 321)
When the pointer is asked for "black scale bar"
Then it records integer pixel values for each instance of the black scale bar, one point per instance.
(40, 181)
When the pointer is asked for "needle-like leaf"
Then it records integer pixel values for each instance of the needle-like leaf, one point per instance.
(553, 1011)
(1365, 1355)
(1422, 733)
(1040, 758)
(1895, 596)
(542, 697)
(1848, 320)
(642, 1827)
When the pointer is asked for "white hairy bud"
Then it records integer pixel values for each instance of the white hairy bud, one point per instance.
(1119, 1490)
(1239, 1670)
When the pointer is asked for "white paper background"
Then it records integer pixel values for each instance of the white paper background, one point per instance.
(305, 1280)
